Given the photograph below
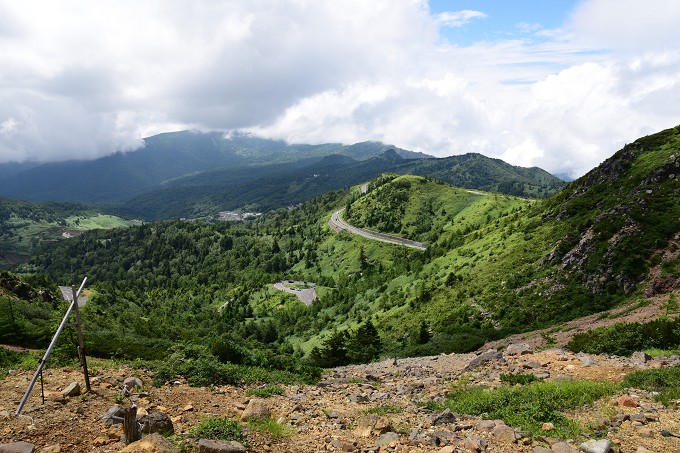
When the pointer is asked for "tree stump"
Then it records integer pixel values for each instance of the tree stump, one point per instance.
(130, 425)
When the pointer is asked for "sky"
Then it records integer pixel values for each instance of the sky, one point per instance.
(558, 84)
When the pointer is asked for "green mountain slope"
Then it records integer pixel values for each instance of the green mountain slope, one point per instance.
(496, 264)
(24, 226)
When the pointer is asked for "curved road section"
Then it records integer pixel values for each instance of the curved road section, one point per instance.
(338, 225)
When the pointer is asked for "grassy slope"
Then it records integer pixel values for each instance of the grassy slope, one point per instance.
(25, 225)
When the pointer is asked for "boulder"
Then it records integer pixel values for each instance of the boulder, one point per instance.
(153, 443)
(156, 422)
(220, 446)
(343, 445)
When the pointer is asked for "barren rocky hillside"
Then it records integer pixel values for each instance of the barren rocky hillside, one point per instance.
(378, 407)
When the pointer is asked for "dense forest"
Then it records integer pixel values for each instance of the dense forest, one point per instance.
(495, 265)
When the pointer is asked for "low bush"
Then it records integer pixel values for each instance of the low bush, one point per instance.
(665, 381)
(219, 428)
(626, 338)
(516, 378)
(266, 392)
(528, 407)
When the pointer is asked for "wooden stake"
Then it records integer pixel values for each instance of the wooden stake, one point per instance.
(81, 343)
(130, 425)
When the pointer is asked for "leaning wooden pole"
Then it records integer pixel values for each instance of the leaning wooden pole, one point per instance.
(81, 343)
(42, 362)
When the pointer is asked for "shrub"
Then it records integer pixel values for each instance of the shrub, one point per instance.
(219, 428)
(275, 429)
(666, 381)
(626, 338)
(516, 378)
(266, 392)
(529, 406)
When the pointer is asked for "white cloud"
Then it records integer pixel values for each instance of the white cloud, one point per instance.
(82, 79)
(458, 18)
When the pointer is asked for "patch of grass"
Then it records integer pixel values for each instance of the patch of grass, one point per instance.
(275, 429)
(656, 352)
(529, 406)
(13, 360)
(517, 378)
(384, 410)
(666, 381)
(219, 428)
(266, 392)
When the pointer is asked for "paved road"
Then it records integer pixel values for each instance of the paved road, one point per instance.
(306, 296)
(338, 225)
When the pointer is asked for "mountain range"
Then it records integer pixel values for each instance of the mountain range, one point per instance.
(194, 174)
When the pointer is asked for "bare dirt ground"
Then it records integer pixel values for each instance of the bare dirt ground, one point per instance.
(331, 416)
(328, 416)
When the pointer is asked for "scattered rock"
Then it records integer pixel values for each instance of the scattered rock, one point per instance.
(220, 446)
(491, 356)
(132, 382)
(372, 425)
(504, 433)
(387, 438)
(343, 445)
(586, 360)
(153, 443)
(563, 447)
(626, 401)
(257, 409)
(51, 449)
(518, 349)
(642, 449)
(73, 389)
(547, 426)
(640, 358)
(444, 417)
(17, 447)
(596, 446)
(156, 422)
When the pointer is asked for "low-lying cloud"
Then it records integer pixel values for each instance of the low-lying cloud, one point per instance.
(84, 79)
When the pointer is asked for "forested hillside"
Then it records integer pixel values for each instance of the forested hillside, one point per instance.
(495, 264)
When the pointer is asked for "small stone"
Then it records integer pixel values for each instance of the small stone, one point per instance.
(486, 425)
(132, 382)
(626, 401)
(504, 433)
(642, 449)
(586, 360)
(358, 398)
(387, 438)
(645, 432)
(257, 409)
(372, 425)
(73, 389)
(343, 445)
(447, 449)
(596, 446)
(56, 448)
(444, 417)
(17, 447)
(640, 358)
(547, 426)
(541, 449)
(563, 447)
(474, 443)
(188, 408)
(220, 446)
(153, 443)
(518, 349)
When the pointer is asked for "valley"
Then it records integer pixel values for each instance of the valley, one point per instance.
(192, 301)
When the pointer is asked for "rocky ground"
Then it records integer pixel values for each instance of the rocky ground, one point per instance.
(333, 415)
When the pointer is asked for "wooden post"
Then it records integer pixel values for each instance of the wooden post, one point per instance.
(130, 425)
(81, 343)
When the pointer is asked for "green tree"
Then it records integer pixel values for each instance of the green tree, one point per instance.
(365, 345)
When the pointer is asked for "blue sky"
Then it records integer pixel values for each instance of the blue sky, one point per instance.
(504, 19)
(557, 84)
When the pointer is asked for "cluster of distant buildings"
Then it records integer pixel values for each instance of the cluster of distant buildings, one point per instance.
(234, 216)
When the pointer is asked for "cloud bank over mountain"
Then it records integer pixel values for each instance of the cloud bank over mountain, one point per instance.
(82, 79)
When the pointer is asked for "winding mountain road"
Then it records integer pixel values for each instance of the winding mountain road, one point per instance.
(338, 225)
